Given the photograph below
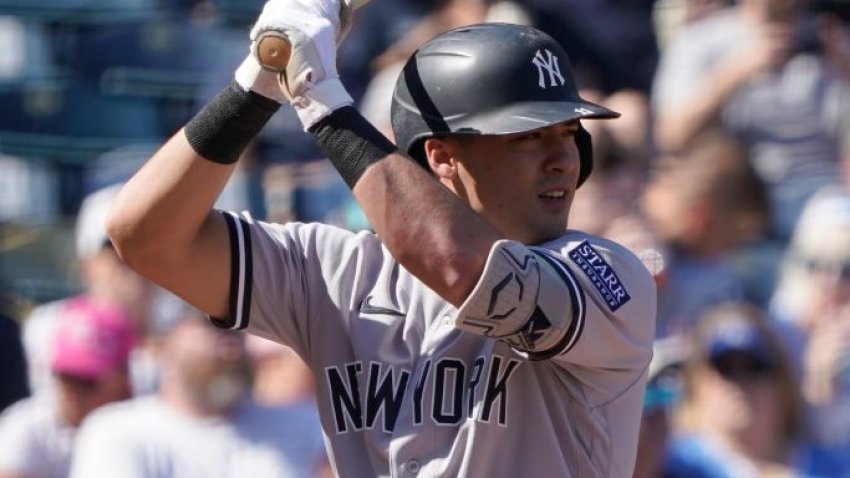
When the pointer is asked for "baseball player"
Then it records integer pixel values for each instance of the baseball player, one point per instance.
(473, 334)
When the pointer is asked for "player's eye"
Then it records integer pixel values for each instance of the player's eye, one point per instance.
(530, 136)
(569, 130)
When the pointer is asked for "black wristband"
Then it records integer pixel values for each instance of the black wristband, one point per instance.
(225, 126)
(351, 143)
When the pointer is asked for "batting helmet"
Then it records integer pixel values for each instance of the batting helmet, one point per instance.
(492, 78)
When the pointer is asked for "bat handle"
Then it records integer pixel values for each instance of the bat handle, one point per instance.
(273, 51)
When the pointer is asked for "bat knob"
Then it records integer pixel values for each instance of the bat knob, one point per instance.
(273, 51)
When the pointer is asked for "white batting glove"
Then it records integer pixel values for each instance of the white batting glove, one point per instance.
(251, 76)
(311, 82)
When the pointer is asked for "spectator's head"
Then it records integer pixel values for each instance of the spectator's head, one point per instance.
(739, 384)
(708, 201)
(102, 271)
(815, 282)
(91, 350)
(204, 370)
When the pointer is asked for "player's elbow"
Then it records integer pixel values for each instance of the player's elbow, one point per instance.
(459, 283)
(132, 244)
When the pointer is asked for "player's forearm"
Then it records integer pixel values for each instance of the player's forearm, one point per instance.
(428, 230)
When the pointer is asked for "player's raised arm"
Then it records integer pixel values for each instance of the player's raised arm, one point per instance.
(163, 224)
(433, 234)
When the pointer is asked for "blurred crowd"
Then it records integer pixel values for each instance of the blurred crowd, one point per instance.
(728, 174)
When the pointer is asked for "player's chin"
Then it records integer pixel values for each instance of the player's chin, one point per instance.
(558, 206)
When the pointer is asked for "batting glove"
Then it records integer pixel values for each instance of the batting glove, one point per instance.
(314, 28)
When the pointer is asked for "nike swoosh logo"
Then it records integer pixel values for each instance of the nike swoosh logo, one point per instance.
(366, 307)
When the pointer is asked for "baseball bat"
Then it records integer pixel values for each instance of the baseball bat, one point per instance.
(274, 49)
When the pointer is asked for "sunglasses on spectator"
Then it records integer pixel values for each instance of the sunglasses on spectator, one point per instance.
(741, 367)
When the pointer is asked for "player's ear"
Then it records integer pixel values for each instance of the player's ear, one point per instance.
(441, 157)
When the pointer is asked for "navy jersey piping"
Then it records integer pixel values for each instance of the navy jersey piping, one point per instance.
(577, 304)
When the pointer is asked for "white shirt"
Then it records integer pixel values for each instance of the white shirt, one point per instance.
(34, 441)
(146, 438)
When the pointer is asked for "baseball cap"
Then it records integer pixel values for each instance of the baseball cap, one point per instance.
(735, 333)
(92, 339)
(91, 221)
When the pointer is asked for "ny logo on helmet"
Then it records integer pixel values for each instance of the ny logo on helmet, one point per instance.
(549, 63)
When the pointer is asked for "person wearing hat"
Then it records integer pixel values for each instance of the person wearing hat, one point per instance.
(104, 278)
(202, 420)
(740, 414)
(89, 362)
(813, 297)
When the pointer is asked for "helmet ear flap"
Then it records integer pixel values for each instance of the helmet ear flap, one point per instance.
(417, 153)
(585, 151)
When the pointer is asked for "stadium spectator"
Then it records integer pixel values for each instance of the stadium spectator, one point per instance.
(703, 205)
(741, 415)
(814, 297)
(91, 345)
(201, 422)
(105, 278)
(767, 73)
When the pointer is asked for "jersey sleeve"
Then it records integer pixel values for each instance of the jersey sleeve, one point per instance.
(588, 305)
(289, 280)
(620, 306)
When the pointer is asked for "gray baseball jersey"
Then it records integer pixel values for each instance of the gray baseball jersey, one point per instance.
(406, 389)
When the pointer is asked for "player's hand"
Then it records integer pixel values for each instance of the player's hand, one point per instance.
(310, 82)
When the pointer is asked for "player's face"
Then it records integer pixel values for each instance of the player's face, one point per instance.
(523, 183)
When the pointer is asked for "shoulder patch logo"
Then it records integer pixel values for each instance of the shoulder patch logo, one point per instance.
(601, 275)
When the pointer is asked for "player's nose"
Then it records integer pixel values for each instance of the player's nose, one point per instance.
(561, 153)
